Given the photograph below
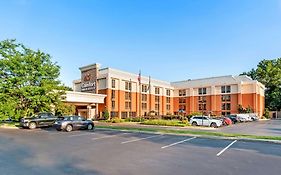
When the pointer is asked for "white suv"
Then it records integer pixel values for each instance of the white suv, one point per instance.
(205, 121)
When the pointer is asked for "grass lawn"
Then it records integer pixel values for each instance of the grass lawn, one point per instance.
(198, 133)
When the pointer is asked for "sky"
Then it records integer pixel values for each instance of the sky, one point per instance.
(170, 40)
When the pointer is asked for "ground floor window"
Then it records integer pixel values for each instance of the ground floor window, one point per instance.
(225, 113)
(124, 115)
(113, 114)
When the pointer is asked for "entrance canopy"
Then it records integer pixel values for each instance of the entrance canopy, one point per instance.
(84, 98)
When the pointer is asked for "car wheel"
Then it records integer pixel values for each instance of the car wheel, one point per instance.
(32, 125)
(58, 129)
(194, 124)
(69, 128)
(214, 125)
(90, 127)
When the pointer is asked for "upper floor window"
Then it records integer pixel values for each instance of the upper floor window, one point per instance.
(202, 99)
(202, 91)
(143, 97)
(113, 83)
(182, 92)
(225, 89)
(113, 94)
(157, 90)
(128, 85)
(168, 99)
(225, 98)
(157, 99)
(144, 88)
(168, 92)
(181, 100)
(127, 96)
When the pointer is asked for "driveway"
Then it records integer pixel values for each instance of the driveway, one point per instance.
(103, 152)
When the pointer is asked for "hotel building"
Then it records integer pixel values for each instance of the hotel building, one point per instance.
(126, 94)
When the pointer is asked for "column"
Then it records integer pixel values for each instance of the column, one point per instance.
(89, 107)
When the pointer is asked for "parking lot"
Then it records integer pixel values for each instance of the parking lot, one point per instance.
(46, 151)
(267, 128)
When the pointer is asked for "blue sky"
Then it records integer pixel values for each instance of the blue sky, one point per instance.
(168, 39)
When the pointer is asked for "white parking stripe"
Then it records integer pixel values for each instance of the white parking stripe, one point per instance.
(222, 151)
(84, 134)
(109, 136)
(173, 144)
(135, 140)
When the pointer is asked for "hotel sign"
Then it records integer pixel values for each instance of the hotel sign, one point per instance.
(89, 79)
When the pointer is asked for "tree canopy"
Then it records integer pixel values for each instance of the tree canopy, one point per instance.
(28, 79)
(268, 72)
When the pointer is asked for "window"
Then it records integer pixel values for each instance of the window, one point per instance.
(168, 107)
(124, 115)
(202, 91)
(168, 92)
(225, 113)
(157, 106)
(143, 97)
(202, 106)
(127, 96)
(182, 92)
(144, 88)
(127, 105)
(157, 90)
(157, 99)
(226, 106)
(168, 99)
(225, 98)
(202, 99)
(225, 89)
(128, 85)
(144, 106)
(181, 100)
(182, 107)
(113, 94)
(113, 83)
(113, 104)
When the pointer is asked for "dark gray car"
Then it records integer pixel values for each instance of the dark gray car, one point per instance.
(69, 123)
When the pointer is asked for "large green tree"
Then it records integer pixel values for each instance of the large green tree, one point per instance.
(268, 72)
(28, 79)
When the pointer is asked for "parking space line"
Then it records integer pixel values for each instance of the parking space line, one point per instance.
(135, 140)
(84, 134)
(104, 137)
(173, 144)
(222, 151)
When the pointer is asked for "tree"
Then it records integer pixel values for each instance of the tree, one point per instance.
(268, 72)
(28, 79)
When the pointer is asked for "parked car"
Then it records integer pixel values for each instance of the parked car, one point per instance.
(44, 119)
(205, 121)
(233, 118)
(70, 123)
(226, 121)
(254, 116)
(244, 118)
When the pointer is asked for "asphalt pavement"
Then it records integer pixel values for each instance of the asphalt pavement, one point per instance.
(108, 152)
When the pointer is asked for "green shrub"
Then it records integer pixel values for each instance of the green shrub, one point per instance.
(105, 114)
(166, 122)
(116, 120)
(266, 113)
(133, 119)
